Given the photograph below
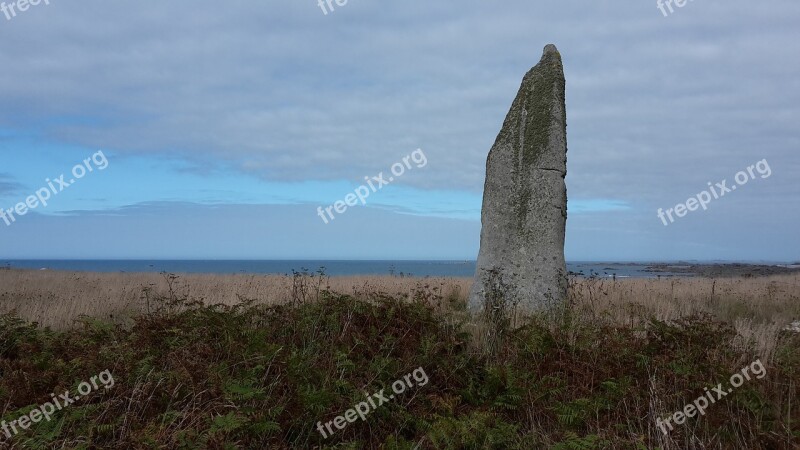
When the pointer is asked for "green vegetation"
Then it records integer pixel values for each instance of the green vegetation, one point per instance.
(261, 376)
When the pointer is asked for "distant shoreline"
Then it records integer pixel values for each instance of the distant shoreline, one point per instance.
(405, 268)
(726, 270)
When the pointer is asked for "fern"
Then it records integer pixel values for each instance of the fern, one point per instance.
(574, 442)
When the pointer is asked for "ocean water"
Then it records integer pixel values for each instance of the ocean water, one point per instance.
(333, 268)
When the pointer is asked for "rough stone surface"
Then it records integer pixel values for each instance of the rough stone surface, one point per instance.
(525, 197)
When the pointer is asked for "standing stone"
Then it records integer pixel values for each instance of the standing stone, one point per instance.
(524, 211)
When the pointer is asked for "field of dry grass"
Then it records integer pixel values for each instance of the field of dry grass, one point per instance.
(758, 308)
(56, 299)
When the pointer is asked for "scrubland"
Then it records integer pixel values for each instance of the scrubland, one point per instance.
(241, 361)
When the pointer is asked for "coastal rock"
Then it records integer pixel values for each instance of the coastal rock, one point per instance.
(525, 198)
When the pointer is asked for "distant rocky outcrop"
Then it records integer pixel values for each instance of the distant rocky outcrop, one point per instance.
(524, 211)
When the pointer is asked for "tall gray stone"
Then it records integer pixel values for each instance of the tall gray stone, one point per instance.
(524, 211)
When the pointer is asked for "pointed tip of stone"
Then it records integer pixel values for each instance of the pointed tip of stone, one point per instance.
(550, 50)
(551, 57)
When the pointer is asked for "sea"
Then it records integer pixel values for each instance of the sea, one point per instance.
(444, 268)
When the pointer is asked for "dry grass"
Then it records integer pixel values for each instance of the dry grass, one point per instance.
(55, 299)
(758, 308)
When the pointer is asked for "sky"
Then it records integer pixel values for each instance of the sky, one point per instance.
(223, 128)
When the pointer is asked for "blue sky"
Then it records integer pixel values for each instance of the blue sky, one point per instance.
(226, 128)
